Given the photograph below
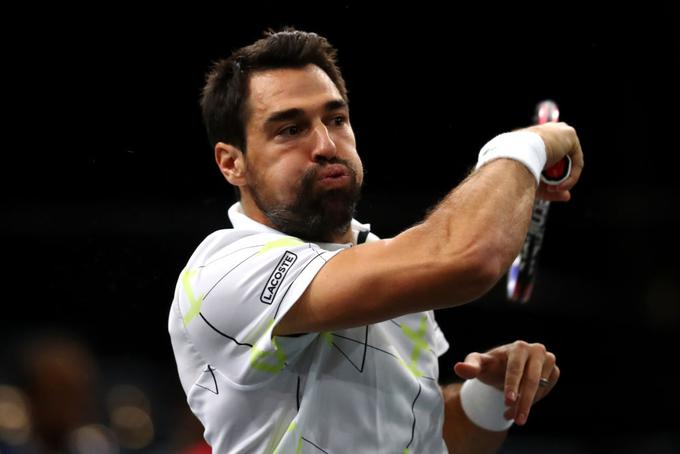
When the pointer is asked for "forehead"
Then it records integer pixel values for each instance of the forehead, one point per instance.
(286, 88)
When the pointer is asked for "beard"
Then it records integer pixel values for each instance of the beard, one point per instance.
(315, 214)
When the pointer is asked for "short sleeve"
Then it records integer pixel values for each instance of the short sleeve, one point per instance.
(232, 298)
(441, 345)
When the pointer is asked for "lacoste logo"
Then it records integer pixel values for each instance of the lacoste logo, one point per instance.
(277, 276)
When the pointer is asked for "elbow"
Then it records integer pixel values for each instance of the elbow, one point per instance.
(489, 269)
(451, 273)
(484, 267)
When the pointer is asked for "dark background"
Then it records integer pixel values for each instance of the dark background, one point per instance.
(108, 184)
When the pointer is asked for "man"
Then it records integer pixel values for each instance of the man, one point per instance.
(301, 331)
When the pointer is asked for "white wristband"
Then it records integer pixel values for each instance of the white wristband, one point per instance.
(484, 405)
(523, 146)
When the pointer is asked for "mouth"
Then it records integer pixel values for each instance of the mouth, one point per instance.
(333, 172)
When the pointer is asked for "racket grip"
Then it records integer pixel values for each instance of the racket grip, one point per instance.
(558, 172)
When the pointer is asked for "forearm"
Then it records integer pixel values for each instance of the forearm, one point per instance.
(460, 434)
(482, 223)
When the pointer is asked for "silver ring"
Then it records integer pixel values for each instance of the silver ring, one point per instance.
(544, 382)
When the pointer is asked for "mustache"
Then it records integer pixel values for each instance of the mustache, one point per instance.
(313, 173)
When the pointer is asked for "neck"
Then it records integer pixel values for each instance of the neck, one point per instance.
(345, 237)
(251, 210)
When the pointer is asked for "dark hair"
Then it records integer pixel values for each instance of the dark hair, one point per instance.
(224, 97)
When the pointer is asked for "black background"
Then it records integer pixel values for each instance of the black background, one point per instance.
(108, 182)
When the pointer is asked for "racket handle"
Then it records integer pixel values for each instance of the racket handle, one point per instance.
(558, 172)
(523, 270)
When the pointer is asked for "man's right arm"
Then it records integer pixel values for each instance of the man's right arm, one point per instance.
(462, 248)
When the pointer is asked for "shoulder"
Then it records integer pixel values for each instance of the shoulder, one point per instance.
(226, 242)
(238, 259)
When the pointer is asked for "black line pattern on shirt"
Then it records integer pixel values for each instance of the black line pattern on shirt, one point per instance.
(313, 444)
(413, 406)
(231, 253)
(318, 252)
(298, 394)
(291, 284)
(366, 345)
(277, 308)
(359, 369)
(225, 275)
(225, 335)
(210, 369)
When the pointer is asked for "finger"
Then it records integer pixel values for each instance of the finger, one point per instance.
(546, 373)
(577, 158)
(554, 376)
(514, 370)
(577, 163)
(552, 194)
(529, 386)
(551, 372)
(471, 367)
(548, 365)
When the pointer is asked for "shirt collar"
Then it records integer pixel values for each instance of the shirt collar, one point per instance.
(241, 221)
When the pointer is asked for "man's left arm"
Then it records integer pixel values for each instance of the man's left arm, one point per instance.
(517, 375)
(461, 435)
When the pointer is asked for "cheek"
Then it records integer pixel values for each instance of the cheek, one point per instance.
(357, 165)
(347, 143)
(283, 179)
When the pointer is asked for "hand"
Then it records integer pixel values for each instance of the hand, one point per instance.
(560, 140)
(515, 369)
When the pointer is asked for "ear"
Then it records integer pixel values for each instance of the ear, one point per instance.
(231, 162)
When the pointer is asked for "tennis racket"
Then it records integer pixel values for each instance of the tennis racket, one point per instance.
(522, 273)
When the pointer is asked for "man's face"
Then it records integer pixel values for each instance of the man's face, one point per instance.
(303, 172)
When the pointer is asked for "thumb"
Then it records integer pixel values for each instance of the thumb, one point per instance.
(469, 368)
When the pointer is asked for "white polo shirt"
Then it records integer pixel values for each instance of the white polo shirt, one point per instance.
(370, 389)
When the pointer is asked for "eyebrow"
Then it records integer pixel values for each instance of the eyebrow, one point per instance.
(290, 114)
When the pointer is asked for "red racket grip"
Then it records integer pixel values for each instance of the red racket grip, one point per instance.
(558, 172)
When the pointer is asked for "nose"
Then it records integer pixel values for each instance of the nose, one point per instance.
(323, 148)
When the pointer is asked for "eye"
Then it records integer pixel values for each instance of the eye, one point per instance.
(290, 131)
(339, 120)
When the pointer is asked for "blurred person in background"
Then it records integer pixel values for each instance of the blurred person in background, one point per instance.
(58, 376)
